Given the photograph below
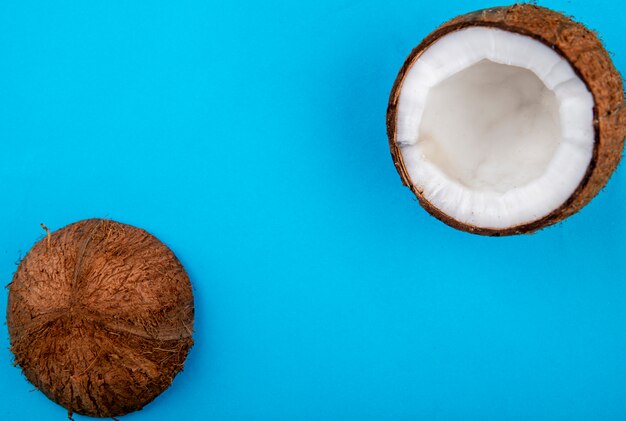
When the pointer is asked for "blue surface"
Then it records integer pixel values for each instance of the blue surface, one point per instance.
(250, 137)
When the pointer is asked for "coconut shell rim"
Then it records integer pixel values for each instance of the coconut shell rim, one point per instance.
(558, 214)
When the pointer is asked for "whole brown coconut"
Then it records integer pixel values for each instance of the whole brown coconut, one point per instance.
(100, 317)
(588, 59)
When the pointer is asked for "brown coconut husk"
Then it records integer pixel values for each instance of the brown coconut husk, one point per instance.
(100, 317)
(585, 52)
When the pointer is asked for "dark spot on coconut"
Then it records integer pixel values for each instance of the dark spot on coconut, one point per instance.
(100, 317)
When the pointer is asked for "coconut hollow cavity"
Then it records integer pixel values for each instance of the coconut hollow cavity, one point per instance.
(506, 120)
(100, 317)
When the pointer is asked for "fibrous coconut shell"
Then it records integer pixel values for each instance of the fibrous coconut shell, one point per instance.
(100, 317)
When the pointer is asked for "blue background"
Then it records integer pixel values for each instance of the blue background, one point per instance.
(250, 138)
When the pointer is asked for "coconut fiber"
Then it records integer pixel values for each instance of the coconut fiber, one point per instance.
(100, 317)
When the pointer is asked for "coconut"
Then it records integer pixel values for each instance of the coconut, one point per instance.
(100, 317)
(507, 120)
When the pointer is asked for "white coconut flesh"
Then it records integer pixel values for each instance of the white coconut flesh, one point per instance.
(495, 128)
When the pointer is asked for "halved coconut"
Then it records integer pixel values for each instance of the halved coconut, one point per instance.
(506, 120)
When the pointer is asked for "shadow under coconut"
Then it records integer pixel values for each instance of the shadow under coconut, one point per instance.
(359, 83)
(359, 97)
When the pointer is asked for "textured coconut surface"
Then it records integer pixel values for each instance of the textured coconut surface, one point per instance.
(100, 316)
(249, 137)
